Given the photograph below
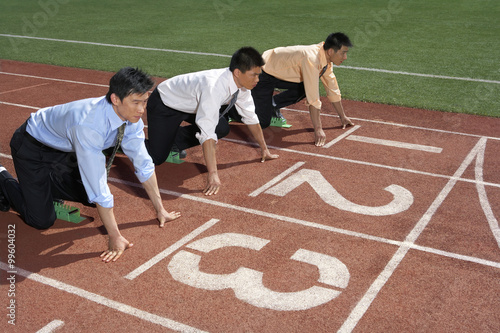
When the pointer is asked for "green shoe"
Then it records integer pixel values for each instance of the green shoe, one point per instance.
(279, 122)
(174, 157)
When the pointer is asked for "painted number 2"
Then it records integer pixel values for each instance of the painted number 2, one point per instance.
(402, 198)
(247, 283)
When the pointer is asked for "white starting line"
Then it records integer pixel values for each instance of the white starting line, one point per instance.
(396, 144)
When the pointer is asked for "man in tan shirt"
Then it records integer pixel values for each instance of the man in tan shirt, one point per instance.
(296, 70)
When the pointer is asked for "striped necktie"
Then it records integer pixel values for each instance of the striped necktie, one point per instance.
(231, 103)
(119, 138)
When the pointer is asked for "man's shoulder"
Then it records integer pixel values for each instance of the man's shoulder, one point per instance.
(87, 102)
(293, 53)
(298, 48)
(205, 78)
(216, 74)
(214, 78)
(95, 112)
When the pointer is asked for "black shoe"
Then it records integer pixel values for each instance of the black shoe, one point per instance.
(4, 203)
(277, 113)
(176, 150)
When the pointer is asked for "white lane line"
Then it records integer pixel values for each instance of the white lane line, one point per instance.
(51, 327)
(396, 144)
(23, 88)
(171, 249)
(54, 79)
(292, 220)
(123, 308)
(402, 125)
(349, 161)
(324, 115)
(483, 198)
(340, 137)
(21, 105)
(315, 225)
(5, 156)
(360, 309)
(424, 173)
(262, 213)
(434, 76)
(276, 179)
(115, 45)
(445, 77)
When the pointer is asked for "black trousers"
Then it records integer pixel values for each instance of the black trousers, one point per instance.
(44, 174)
(164, 129)
(263, 95)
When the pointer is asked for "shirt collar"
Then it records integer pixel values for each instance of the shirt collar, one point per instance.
(322, 55)
(232, 84)
(114, 119)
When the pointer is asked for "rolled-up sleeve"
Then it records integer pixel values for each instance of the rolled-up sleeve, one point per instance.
(134, 147)
(310, 75)
(207, 115)
(246, 108)
(331, 86)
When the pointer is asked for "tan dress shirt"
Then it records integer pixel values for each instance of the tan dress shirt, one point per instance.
(303, 64)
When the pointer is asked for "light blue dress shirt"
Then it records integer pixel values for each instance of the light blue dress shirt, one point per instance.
(87, 127)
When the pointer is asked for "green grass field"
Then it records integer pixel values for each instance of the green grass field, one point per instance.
(450, 38)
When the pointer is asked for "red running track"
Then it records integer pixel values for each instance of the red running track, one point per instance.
(392, 228)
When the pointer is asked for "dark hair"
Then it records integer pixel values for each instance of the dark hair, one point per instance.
(336, 40)
(128, 81)
(245, 59)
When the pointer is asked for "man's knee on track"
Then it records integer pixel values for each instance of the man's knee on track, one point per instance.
(40, 222)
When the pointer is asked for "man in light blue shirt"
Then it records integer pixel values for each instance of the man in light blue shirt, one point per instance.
(57, 154)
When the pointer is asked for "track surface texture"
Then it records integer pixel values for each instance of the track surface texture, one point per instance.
(392, 227)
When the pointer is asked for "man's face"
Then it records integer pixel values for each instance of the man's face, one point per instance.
(247, 80)
(337, 57)
(131, 108)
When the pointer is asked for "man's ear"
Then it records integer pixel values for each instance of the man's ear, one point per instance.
(237, 72)
(114, 99)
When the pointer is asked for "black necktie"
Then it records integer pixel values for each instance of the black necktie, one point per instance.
(119, 138)
(231, 103)
(323, 70)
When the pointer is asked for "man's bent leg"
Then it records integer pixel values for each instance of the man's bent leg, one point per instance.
(163, 124)
(294, 93)
(66, 179)
(31, 195)
(262, 96)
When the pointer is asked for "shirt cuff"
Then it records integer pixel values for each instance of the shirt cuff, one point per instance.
(106, 202)
(145, 173)
(202, 138)
(317, 104)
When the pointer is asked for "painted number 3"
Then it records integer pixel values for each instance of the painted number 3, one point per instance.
(247, 283)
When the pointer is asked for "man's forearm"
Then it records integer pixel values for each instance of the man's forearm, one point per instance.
(108, 219)
(258, 135)
(315, 114)
(209, 147)
(339, 109)
(151, 187)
